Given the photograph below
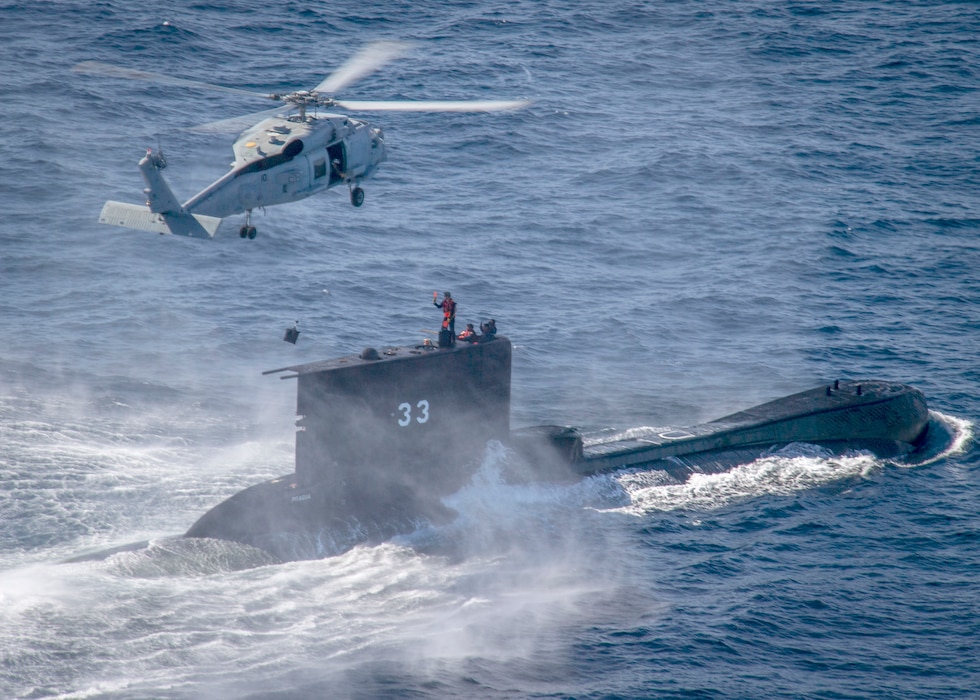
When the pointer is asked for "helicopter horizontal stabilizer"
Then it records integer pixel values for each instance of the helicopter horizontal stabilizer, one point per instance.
(139, 217)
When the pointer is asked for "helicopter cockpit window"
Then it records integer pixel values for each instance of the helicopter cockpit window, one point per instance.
(257, 166)
(319, 169)
(288, 153)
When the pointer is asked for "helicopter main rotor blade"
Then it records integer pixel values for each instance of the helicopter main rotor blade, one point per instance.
(235, 124)
(366, 61)
(111, 71)
(432, 105)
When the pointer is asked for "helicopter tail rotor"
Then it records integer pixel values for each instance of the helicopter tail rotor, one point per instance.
(162, 212)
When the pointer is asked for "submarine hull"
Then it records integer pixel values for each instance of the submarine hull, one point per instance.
(385, 436)
(293, 520)
(883, 417)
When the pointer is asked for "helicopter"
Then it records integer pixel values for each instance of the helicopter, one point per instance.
(294, 151)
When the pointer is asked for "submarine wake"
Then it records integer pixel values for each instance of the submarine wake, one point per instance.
(794, 468)
(947, 436)
(780, 472)
(503, 501)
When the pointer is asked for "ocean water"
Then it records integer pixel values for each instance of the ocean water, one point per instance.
(708, 205)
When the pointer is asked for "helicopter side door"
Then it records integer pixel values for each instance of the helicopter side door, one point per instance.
(336, 162)
(358, 151)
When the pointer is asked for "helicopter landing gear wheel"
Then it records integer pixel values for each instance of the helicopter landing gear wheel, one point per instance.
(357, 196)
(247, 231)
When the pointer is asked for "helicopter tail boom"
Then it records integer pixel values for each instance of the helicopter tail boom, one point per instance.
(139, 217)
(162, 213)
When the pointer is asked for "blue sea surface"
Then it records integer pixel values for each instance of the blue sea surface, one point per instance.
(708, 205)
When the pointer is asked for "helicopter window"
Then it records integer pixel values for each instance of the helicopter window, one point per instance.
(319, 169)
(293, 149)
(257, 166)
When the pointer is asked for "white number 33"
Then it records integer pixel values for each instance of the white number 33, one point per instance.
(406, 411)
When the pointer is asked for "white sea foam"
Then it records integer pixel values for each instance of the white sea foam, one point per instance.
(794, 468)
(948, 436)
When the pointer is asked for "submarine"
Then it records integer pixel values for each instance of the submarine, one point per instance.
(383, 436)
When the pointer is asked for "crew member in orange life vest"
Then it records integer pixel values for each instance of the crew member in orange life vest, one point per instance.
(469, 335)
(448, 307)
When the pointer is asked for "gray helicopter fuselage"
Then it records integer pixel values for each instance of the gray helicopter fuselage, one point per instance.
(282, 160)
(279, 160)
